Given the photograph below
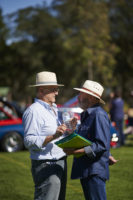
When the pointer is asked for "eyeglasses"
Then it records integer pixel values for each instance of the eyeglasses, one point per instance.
(53, 90)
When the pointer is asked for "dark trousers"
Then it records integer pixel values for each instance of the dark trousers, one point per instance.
(93, 188)
(119, 126)
(50, 179)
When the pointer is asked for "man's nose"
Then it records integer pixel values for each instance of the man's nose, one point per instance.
(56, 92)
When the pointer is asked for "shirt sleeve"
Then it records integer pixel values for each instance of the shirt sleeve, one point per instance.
(32, 127)
(101, 131)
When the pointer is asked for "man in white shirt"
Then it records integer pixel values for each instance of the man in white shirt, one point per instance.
(41, 130)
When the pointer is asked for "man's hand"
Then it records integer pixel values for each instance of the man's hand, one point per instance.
(112, 160)
(72, 151)
(73, 123)
(69, 151)
(60, 130)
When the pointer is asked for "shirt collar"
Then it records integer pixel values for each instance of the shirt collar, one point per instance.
(91, 109)
(46, 105)
(88, 111)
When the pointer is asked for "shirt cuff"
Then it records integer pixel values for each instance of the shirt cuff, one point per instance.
(89, 152)
(34, 142)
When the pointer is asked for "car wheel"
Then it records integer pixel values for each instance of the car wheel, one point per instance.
(12, 142)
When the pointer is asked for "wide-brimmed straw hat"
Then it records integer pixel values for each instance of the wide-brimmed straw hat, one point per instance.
(46, 79)
(93, 88)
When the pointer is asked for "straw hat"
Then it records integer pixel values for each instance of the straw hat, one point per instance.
(46, 78)
(93, 88)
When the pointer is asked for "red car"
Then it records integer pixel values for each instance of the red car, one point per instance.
(11, 129)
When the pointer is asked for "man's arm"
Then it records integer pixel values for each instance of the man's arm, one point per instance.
(112, 160)
(71, 151)
(59, 132)
(32, 139)
(101, 133)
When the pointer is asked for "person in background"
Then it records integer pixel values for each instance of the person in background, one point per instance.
(117, 115)
(93, 167)
(129, 122)
(41, 129)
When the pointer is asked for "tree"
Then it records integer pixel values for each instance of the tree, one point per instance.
(121, 18)
(4, 52)
(71, 38)
(86, 38)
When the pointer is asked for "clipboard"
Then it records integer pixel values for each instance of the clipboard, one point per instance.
(73, 141)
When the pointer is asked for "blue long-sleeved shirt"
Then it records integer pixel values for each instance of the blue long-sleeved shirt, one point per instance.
(40, 121)
(95, 126)
(117, 109)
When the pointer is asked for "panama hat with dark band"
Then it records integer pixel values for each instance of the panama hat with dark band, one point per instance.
(93, 88)
(46, 79)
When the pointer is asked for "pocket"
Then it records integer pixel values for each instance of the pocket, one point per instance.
(39, 172)
(99, 180)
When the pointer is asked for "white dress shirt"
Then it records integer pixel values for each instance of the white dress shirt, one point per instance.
(39, 121)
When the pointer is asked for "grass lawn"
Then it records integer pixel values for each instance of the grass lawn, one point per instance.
(16, 181)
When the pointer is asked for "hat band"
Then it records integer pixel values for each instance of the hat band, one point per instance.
(54, 83)
(92, 92)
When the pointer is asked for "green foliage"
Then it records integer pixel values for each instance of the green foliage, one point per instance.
(121, 18)
(85, 33)
(79, 40)
(3, 29)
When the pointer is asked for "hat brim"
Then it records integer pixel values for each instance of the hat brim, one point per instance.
(37, 85)
(87, 92)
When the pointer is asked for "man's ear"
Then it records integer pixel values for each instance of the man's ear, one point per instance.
(40, 90)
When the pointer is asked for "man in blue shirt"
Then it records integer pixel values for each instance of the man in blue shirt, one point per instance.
(117, 115)
(41, 130)
(93, 168)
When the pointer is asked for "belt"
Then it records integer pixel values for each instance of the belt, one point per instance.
(43, 163)
(49, 160)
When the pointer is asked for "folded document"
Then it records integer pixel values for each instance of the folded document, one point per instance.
(73, 141)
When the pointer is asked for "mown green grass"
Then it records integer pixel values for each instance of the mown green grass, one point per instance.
(16, 180)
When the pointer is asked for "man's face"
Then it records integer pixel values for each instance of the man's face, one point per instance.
(48, 94)
(85, 100)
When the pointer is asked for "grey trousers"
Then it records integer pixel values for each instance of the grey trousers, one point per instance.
(50, 179)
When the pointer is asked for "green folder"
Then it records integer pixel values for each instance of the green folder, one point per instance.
(73, 141)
